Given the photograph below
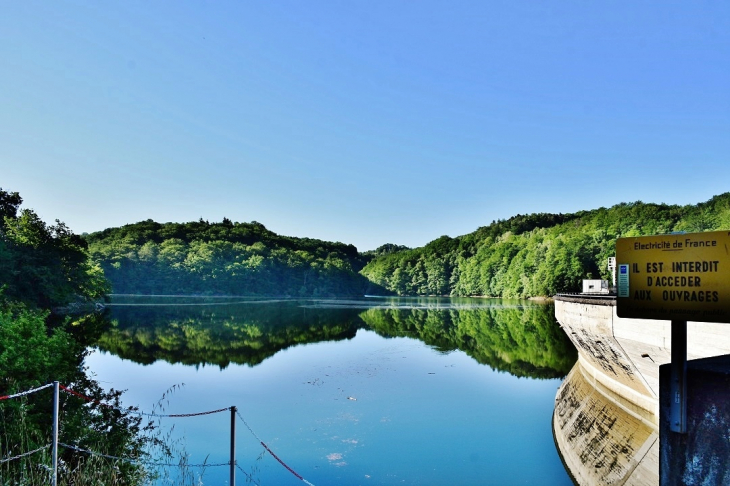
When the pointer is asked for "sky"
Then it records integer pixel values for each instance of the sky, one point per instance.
(361, 122)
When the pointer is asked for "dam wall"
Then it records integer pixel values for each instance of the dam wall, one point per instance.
(606, 420)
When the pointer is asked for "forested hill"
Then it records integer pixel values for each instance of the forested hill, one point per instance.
(536, 254)
(224, 258)
(525, 256)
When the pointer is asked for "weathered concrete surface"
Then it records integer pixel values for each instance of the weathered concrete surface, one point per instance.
(590, 328)
(600, 440)
(620, 358)
(702, 455)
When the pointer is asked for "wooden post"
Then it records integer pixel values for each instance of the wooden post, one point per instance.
(678, 389)
(54, 434)
(233, 446)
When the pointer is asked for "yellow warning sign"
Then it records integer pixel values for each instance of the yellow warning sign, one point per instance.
(674, 277)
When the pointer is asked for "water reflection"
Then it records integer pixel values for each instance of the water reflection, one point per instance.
(520, 338)
(220, 334)
(524, 341)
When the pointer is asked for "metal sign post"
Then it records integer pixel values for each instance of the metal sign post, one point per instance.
(54, 433)
(233, 446)
(678, 387)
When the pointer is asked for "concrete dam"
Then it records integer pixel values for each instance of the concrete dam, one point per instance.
(607, 422)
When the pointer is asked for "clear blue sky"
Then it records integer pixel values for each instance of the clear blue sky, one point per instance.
(363, 122)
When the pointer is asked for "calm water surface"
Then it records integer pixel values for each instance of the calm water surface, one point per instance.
(373, 392)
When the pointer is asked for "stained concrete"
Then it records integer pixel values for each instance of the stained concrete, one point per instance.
(620, 359)
(600, 440)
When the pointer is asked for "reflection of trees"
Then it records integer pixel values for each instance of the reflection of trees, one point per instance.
(522, 341)
(219, 335)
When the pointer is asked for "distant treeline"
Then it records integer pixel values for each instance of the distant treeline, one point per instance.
(525, 256)
(225, 258)
(537, 254)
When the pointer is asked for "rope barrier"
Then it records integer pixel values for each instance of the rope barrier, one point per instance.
(88, 399)
(8, 459)
(131, 411)
(27, 392)
(227, 409)
(297, 475)
(248, 427)
(281, 462)
(248, 476)
(278, 459)
(136, 461)
(136, 412)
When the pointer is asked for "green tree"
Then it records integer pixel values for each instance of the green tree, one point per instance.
(43, 265)
(536, 254)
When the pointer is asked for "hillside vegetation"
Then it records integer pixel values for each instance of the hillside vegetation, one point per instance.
(537, 254)
(525, 256)
(224, 258)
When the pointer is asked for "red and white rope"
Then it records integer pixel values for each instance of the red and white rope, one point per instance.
(179, 415)
(8, 459)
(297, 475)
(136, 461)
(27, 392)
(136, 412)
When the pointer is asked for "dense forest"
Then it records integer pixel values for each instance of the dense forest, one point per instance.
(225, 258)
(537, 254)
(524, 256)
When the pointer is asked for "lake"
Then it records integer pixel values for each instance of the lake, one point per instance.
(374, 391)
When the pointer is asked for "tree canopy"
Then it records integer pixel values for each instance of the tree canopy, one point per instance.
(41, 265)
(537, 254)
(224, 258)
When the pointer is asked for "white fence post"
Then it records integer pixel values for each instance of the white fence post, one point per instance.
(54, 447)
